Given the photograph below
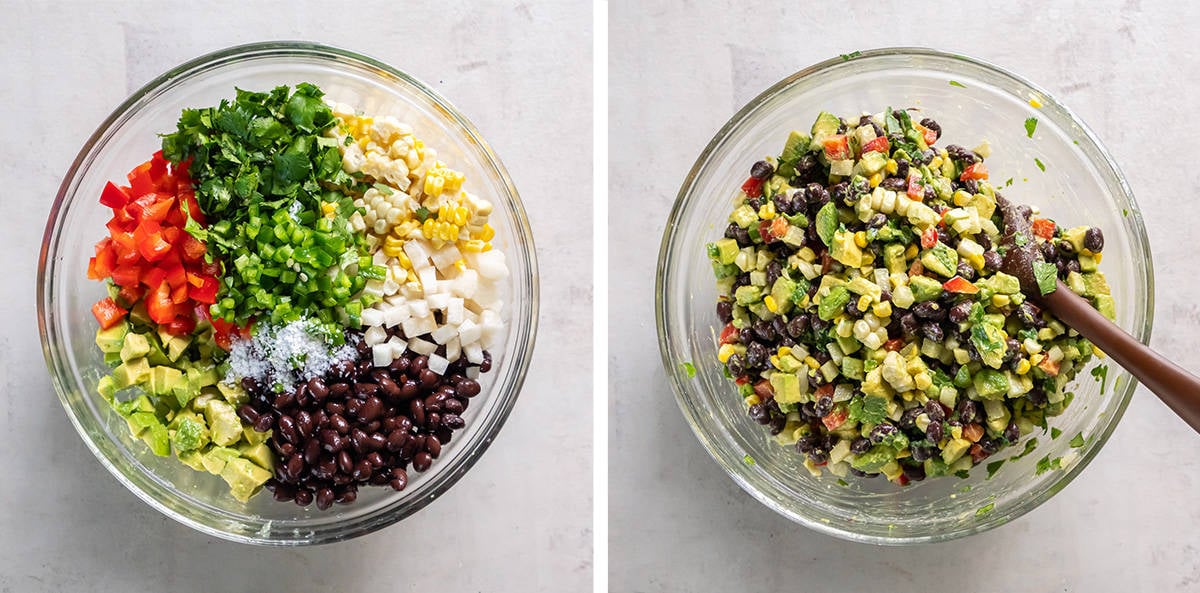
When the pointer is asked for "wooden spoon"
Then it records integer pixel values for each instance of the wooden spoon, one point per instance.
(1179, 389)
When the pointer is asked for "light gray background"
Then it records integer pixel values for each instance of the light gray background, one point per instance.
(521, 519)
(1129, 523)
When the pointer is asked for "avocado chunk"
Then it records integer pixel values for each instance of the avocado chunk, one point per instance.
(924, 288)
(131, 372)
(177, 346)
(135, 346)
(1095, 284)
(955, 449)
(831, 304)
(990, 384)
(157, 438)
(748, 294)
(223, 423)
(216, 458)
(941, 259)
(726, 250)
(845, 250)
(107, 388)
(1106, 306)
(112, 339)
(193, 459)
(874, 459)
(795, 147)
(244, 478)
(190, 433)
(893, 258)
(254, 437)
(786, 387)
(139, 422)
(164, 379)
(827, 125)
(782, 292)
(260, 454)
(1002, 283)
(234, 394)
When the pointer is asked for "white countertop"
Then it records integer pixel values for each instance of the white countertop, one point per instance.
(1128, 523)
(520, 520)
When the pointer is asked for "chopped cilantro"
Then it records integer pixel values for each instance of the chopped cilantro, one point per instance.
(690, 369)
(1046, 464)
(1030, 445)
(1076, 441)
(1020, 240)
(1046, 275)
(985, 509)
(422, 213)
(957, 84)
(993, 467)
(1100, 373)
(841, 482)
(748, 460)
(1030, 126)
(1055, 433)
(868, 409)
(962, 474)
(851, 55)
(1039, 164)
(1125, 212)
(1009, 182)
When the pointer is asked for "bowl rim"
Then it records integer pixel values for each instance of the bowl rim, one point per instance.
(678, 376)
(518, 355)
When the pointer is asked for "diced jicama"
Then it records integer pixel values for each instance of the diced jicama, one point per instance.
(489, 264)
(417, 253)
(421, 346)
(417, 326)
(372, 317)
(381, 354)
(473, 352)
(444, 258)
(453, 349)
(443, 334)
(374, 335)
(396, 314)
(438, 364)
(455, 313)
(469, 332)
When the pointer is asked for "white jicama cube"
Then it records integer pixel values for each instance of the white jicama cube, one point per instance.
(469, 332)
(492, 325)
(490, 264)
(417, 253)
(443, 334)
(417, 326)
(428, 279)
(466, 284)
(438, 300)
(396, 314)
(381, 354)
(438, 364)
(473, 372)
(419, 308)
(372, 317)
(421, 346)
(390, 287)
(473, 352)
(445, 257)
(379, 258)
(374, 287)
(374, 335)
(398, 346)
(453, 349)
(455, 313)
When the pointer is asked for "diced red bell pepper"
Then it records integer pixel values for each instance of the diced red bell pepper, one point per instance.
(179, 294)
(960, 285)
(893, 345)
(140, 181)
(187, 196)
(878, 144)
(151, 207)
(824, 390)
(741, 380)
(159, 305)
(729, 335)
(107, 312)
(191, 248)
(150, 242)
(902, 480)
(836, 418)
(928, 135)
(127, 274)
(837, 147)
(153, 276)
(175, 274)
(916, 191)
(159, 175)
(206, 292)
(101, 266)
(763, 389)
(974, 171)
(181, 326)
(752, 187)
(128, 295)
(114, 196)
(977, 453)
(779, 227)
(929, 238)
(764, 231)
(1051, 367)
(1044, 228)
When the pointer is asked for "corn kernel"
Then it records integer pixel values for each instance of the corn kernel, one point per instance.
(1036, 358)
(472, 245)
(956, 432)
(911, 252)
(1098, 257)
(936, 162)
(891, 166)
(1000, 300)
(461, 265)
(860, 239)
(785, 350)
(1098, 352)
(962, 198)
(882, 310)
(875, 179)
(404, 261)
(1034, 103)
(487, 233)
(922, 380)
(753, 400)
(767, 211)
(725, 352)
(811, 362)
(769, 301)
(487, 247)
(906, 396)
(864, 302)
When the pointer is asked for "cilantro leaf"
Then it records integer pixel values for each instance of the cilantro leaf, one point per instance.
(868, 409)
(985, 509)
(1100, 373)
(1076, 441)
(993, 467)
(1046, 275)
(1039, 164)
(1030, 126)
(689, 368)
(1030, 445)
(1055, 433)
(851, 55)
(957, 84)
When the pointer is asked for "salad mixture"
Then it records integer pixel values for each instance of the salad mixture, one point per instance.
(301, 297)
(867, 319)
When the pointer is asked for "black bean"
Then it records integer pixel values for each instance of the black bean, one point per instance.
(287, 429)
(453, 421)
(486, 365)
(818, 196)
(324, 498)
(860, 445)
(933, 432)
(345, 462)
(1029, 316)
(248, 414)
(915, 473)
(967, 410)
(823, 406)
(909, 324)
(761, 170)
(896, 184)
(909, 417)
(881, 431)
(934, 410)
(966, 271)
(777, 424)
(1093, 240)
(930, 124)
(264, 422)
(920, 453)
(756, 355)
(725, 311)
(992, 261)
(416, 411)
(304, 497)
(932, 331)
(422, 461)
(1012, 432)
(312, 451)
(764, 331)
(365, 390)
(399, 479)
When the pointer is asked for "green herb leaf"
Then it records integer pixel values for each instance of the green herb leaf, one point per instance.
(957, 84)
(1030, 126)
(827, 223)
(985, 509)
(748, 460)
(690, 369)
(1009, 182)
(1076, 441)
(422, 213)
(1055, 433)
(851, 55)
(841, 482)
(868, 409)
(1046, 464)
(962, 474)
(993, 467)
(1046, 275)
(1100, 373)
(1039, 164)
(1030, 445)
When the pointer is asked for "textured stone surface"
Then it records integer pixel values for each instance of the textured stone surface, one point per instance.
(677, 523)
(521, 519)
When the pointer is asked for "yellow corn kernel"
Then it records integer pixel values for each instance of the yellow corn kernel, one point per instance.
(962, 198)
(767, 211)
(1036, 359)
(1034, 103)
(753, 400)
(769, 301)
(487, 247)
(725, 352)
(391, 251)
(868, 258)
(875, 179)
(956, 432)
(811, 362)
(412, 277)
(911, 252)
(784, 350)
(1000, 300)
(461, 216)
(461, 265)
(860, 239)
(487, 233)
(936, 162)
(404, 261)
(1098, 257)
(328, 208)
(1098, 352)
(907, 396)
(882, 310)
(428, 229)
(922, 380)
(891, 167)
(774, 360)
(472, 245)
(434, 184)
(864, 302)
(1023, 367)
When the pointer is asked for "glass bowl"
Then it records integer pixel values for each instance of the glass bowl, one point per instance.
(973, 101)
(127, 138)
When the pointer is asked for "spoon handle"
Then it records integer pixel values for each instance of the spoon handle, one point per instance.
(1179, 389)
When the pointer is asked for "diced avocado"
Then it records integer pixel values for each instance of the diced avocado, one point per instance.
(135, 346)
(233, 393)
(852, 368)
(748, 294)
(112, 339)
(139, 315)
(107, 388)
(1087, 263)
(849, 345)
(990, 384)
(862, 286)
(216, 458)
(131, 372)
(1076, 284)
(743, 216)
(991, 343)
(873, 460)
(827, 125)
(827, 223)
(727, 249)
(112, 359)
(184, 392)
(997, 415)
(157, 356)
(259, 453)
(781, 292)
(795, 147)
(893, 258)
(140, 421)
(177, 346)
(223, 423)
(845, 250)
(942, 259)
(157, 438)
(1075, 236)
(1106, 306)
(924, 288)
(984, 204)
(955, 449)
(1002, 283)
(190, 433)
(786, 387)
(203, 377)
(254, 437)
(192, 459)
(244, 478)
(832, 303)
(843, 167)
(873, 162)
(163, 380)
(1095, 284)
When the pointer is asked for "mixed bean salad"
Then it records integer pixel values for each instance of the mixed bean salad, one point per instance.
(867, 319)
(301, 297)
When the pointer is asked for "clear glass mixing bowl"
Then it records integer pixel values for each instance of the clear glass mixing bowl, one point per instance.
(1080, 185)
(127, 138)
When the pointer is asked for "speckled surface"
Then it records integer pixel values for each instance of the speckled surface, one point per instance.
(1129, 522)
(521, 519)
